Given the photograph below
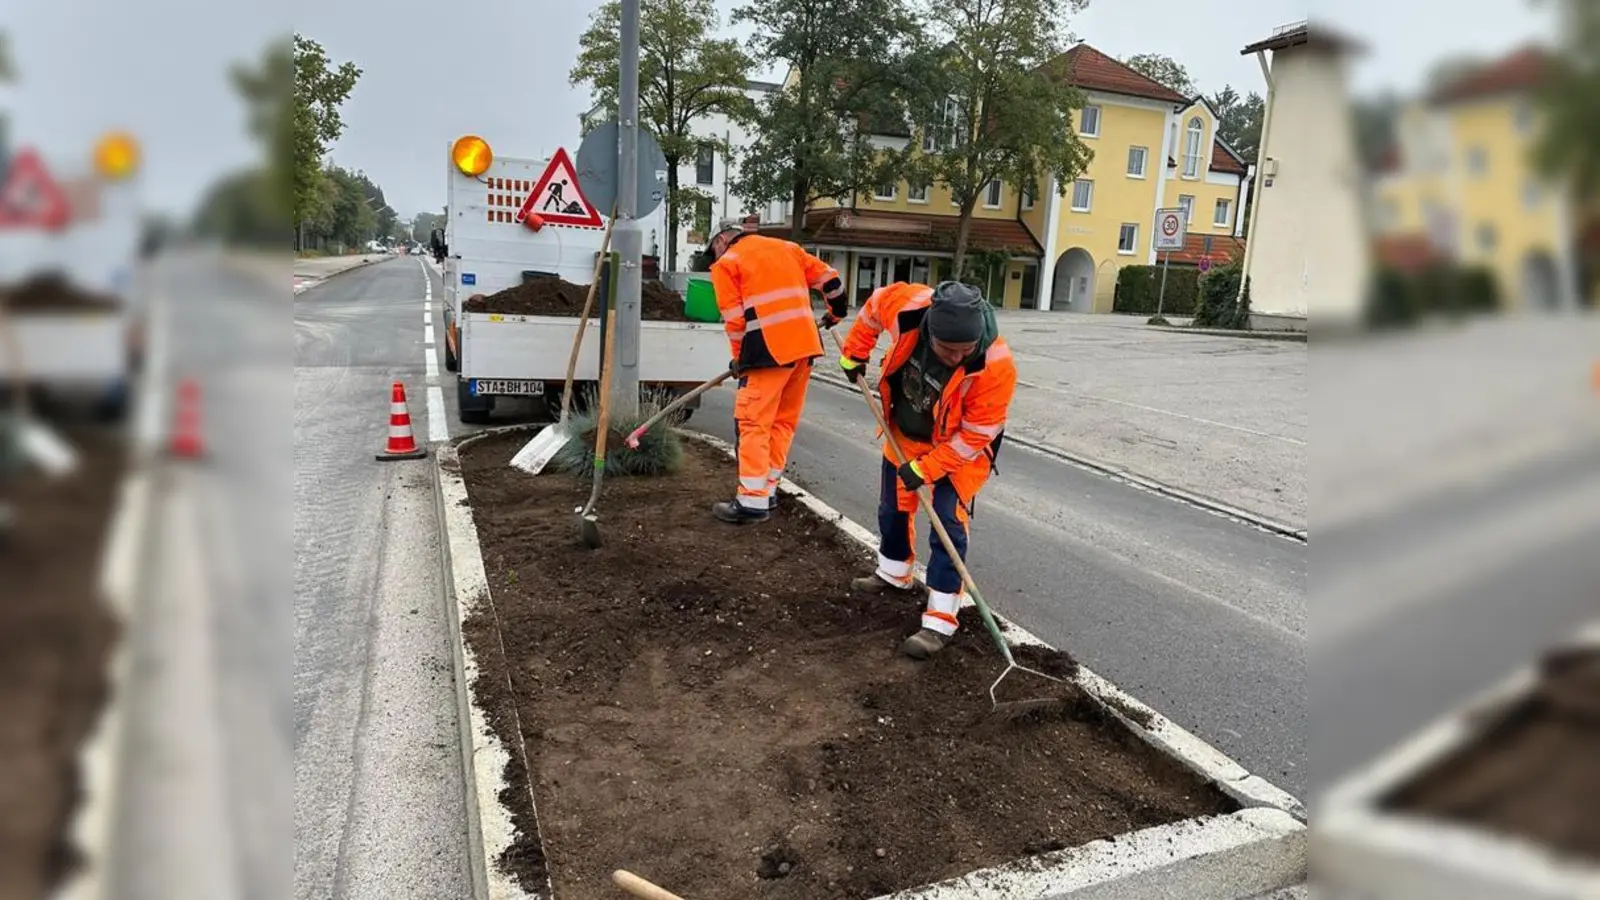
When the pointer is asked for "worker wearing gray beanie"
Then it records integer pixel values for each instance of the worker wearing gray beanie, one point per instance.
(957, 313)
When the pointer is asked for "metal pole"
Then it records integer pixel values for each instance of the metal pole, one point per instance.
(1162, 296)
(627, 238)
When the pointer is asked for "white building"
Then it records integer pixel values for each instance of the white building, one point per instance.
(1307, 253)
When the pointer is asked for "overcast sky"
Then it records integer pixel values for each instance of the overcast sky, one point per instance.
(436, 70)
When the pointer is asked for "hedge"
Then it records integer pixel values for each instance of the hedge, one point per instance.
(1138, 288)
(1399, 299)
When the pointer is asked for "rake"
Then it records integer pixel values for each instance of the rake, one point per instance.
(999, 712)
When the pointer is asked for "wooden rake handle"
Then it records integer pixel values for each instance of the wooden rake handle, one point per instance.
(640, 888)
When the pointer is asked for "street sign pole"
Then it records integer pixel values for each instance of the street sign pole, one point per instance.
(1161, 296)
(626, 234)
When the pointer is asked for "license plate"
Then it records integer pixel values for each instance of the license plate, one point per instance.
(482, 387)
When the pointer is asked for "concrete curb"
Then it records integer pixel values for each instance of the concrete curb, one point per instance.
(1361, 847)
(317, 282)
(1295, 336)
(1258, 849)
(1199, 501)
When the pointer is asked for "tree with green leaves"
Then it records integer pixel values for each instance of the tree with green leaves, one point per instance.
(1163, 70)
(1239, 120)
(858, 67)
(1009, 101)
(686, 73)
(320, 90)
(423, 224)
(1566, 148)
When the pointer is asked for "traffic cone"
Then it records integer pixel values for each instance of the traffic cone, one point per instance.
(186, 441)
(401, 444)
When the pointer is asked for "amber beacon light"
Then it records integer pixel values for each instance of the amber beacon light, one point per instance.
(116, 155)
(472, 155)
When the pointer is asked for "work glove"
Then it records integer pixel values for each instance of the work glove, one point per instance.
(734, 367)
(829, 320)
(911, 476)
(853, 370)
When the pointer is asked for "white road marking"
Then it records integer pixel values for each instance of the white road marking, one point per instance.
(427, 307)
(438, 432)
(427, 318)
(427, 335)
(431, 365)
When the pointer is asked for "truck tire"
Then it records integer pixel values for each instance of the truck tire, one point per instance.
(451, 364)
(469, 409)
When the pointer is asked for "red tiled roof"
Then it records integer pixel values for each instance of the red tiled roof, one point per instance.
(1223, 160)
(1224, 249)
(1405, 252)
(908, 231)
(1523, 70)
(1090, 69)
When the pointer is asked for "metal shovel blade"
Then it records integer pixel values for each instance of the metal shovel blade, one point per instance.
(537, 453)
(589, 531)
(46, 448)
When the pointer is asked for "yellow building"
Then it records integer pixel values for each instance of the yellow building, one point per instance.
(1152, 146)
(1458, 185)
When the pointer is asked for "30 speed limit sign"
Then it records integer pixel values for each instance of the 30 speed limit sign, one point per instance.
(1170, 229)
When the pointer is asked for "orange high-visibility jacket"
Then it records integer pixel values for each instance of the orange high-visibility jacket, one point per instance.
(764, 289)
(971, 412)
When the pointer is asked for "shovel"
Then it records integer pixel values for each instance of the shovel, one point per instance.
(537, 453)
(588, 525)
(999, 713)
(640, 888)
(633, 439)
(37, 441)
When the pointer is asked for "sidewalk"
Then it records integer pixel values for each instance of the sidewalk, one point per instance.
(1215, 416)
(312, 271)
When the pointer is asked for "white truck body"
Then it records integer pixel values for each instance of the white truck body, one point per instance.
(96, 252)
(489, 250)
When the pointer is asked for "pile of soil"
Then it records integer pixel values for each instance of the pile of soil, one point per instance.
(55, 638)
(710, 707)
(53, 293)
(547, 295)
(1536, 774)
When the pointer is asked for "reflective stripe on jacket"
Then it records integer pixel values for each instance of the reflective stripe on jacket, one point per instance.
(971, 412)
(764, 289)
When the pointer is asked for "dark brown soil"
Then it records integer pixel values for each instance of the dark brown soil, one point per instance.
(52, 293)
(55, 636)
(548, 296)
(1536, 775)
(708, 706)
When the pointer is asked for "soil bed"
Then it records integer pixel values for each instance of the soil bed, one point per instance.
(550, 296)
(1536, 774)
(51, 293)
(708, 706)
(55, 637)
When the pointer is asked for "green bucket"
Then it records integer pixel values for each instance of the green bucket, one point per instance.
(700, 301)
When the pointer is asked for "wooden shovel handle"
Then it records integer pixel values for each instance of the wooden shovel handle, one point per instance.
(583, 318)
(640, 888)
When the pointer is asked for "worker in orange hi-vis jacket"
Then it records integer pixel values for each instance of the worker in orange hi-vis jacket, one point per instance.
(948, 378)
(764, 290)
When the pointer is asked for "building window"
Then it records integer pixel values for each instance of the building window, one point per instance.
(1128, 239)
(1487, 237)
(1186, 203)
(886, 191)
(1224, 214)
(1477, 160)
(1192, 140)
(917, 193)
(1532, 195)
(1138, 157)
(952, 123)
(704, 164)
(1089, 121)
(1082, 195)
(991, 197)
(1027, 197)
(702, 216)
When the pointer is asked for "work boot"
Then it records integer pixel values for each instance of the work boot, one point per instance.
(732, 512)
(874, 584)
(924, 644)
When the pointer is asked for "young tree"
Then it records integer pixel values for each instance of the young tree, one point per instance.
(1163, 70)
(1009, 102)
(857, 67)
(1566, 148)
(685, 73)
(1239, 120)
(319, 90)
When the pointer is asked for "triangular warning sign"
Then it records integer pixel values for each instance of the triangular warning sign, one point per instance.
(30, 197)
(557, 198)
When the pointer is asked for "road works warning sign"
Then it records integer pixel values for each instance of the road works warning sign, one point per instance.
(557, 199)
(30, 197)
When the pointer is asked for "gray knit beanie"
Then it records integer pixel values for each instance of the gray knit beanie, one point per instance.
(957, 313)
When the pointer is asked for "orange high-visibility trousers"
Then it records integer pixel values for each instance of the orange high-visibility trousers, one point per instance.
(767, 409)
